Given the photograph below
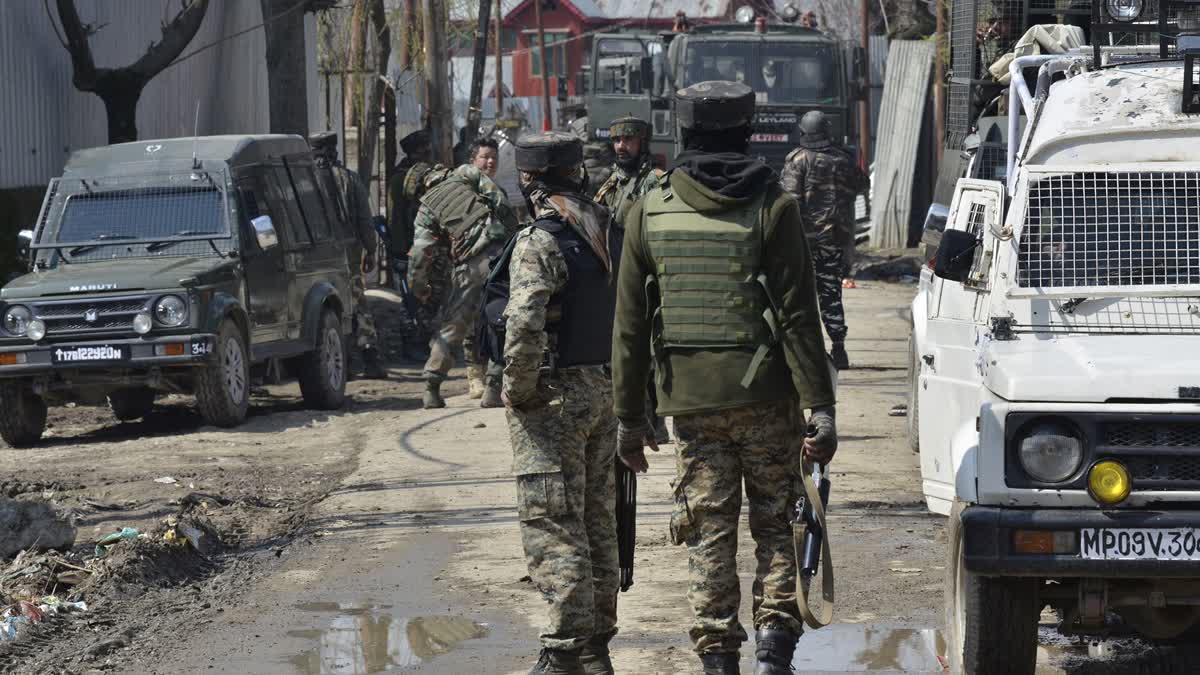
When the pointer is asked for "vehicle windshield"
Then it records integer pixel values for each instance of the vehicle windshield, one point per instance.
(618, 64)
(89, 220)
(779, 72)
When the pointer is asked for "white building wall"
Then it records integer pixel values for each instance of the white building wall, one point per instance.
(43, 118)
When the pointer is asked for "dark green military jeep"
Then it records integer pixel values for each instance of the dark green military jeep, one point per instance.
(182, 265)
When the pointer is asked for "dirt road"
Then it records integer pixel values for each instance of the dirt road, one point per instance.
(384, 537)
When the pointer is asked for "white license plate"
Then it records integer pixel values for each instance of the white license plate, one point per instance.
(1182, 543)
(768, 138)
(89, 354)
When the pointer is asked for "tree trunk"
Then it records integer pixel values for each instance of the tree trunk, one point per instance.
(356, 63)
(120, 96)
(287, 86)
(368, 130)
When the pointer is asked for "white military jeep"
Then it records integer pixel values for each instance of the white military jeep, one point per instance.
(1056, 370)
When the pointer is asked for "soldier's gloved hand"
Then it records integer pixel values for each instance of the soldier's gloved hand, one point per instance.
(633, 435)
(821, 447)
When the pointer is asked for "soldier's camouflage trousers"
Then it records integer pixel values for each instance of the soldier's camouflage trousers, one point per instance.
(716, 452)
(566, 500)
(365, 335)
(455, 321)
(829, 261)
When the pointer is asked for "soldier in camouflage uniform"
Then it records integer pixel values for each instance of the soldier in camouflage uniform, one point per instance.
(632, 176)
(356, 202)
(463, 221)
(402, 210)
(825, 180)
(716, 288)
(559, 404)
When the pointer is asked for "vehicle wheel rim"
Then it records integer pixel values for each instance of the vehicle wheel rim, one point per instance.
(234, 365)
(333, 358)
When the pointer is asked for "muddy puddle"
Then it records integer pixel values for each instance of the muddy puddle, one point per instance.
(371, 639)
(851, 648)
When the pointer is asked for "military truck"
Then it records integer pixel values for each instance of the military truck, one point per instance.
(1055, 342)
(792, 69)
(180, 266)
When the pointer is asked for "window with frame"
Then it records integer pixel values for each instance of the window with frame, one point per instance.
(311, 204)
(293, 222)
(982, 259)
(556, 54)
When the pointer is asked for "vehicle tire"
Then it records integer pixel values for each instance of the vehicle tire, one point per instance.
(991, 622)
(223, 387)
(22, 415)
(914, 383)
(323, 370)
(131, 404)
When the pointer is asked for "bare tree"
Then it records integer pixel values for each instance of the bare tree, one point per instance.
(368, 137)
(121, 88)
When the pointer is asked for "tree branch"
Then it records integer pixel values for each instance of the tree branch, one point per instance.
(175, 39)
(84, 67)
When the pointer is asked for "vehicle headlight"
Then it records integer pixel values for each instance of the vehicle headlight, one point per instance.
(16, 320)
(142, 323)
(1109, 482)
(171, 310)
(1124, 10)
(1051, 452)
(37, 330)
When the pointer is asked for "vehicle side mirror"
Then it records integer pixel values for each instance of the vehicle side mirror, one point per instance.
(935, 224)
(24, 241)
(955, 255)
(264, 232)
(646, 73)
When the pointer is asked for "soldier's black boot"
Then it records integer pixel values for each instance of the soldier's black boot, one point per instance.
(841, 360)
(725, 663)
(433, 393)
(594, 658)
(557, 662)
(773, 654)
(372, 369)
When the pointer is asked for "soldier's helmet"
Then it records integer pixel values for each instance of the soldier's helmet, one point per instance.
(550, 151)
(815, 125)
(324, 144)
(715, 105)
(415, 142)
(629, 126)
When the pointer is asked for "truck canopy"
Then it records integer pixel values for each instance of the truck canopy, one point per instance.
(233, 150)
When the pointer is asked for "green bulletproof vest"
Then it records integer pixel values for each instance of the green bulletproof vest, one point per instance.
(460, 210)
(711, 292)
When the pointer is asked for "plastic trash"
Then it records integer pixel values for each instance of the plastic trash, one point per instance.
(103, 544)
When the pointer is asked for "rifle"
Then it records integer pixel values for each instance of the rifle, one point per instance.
(810, 540)
(400, 270)
(626, 521)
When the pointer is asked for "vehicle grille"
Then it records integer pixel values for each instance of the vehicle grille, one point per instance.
(112, 314)
(1111, 229)
(1159, 455)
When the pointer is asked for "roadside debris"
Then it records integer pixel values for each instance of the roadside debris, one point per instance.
(24, 612)
(900, 410)
(103, 545)
(166, 480)
(33, 524)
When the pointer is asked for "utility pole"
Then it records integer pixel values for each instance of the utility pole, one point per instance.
(499, 61)
(864, 105)
(440, 119)
(541, 37)
(475, 105)
(939, 83)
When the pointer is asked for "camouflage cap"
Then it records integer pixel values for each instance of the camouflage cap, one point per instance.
(714, 105)
(415, 141)
(629, 126)
(551, 150)
(323, 141)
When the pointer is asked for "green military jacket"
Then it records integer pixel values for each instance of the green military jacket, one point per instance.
(621, 190)
(701, 380)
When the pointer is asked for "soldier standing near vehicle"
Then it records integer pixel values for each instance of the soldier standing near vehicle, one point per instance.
(825, 180)
(633, 175)
(463, 221)
(716, 288)
(559, 403)
(357, 203)
(418, 150)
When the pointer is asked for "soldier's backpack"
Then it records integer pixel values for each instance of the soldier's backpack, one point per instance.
(489, 326)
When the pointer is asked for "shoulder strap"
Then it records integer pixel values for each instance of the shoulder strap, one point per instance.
(792, 155)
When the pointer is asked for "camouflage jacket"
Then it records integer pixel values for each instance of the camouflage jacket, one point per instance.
(622, 190)
(825, 181)
(433, 243)
(538, 271)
